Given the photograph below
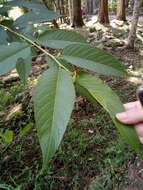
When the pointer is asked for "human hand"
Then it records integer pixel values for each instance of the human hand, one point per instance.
(133, 115)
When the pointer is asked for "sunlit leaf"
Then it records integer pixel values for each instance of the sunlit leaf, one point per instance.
(25, 130)
(8, 136)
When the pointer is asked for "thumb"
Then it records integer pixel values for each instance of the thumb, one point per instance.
(131, 116)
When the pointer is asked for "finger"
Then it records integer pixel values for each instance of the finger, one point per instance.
(131, 105)
(131, 116)
(139, 130)
(141, 139)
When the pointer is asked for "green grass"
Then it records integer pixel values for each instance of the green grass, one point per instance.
(91, 153)
(7, 96)
(82, 157)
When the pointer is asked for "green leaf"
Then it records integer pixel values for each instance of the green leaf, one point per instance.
(35, 18)
(53, 103)
(8, 136)
(60, 38)
(62, 62)
(3, 36)
(93, 59)
(23, 67)
(28, 31)
(10, 53)
(24, 131)
(10, 36)
(32, 5)
(37, 13)
(95, 89)
(66, 64)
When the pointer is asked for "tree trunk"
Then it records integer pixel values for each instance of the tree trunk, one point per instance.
(62, 7)
(103, 17)
(132, 33)
(96, 6)
(132, 4)
(70, 10)
(121, 9)
(77, 14)
(90, 6)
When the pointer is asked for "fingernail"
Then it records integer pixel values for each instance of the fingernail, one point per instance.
(122, 116)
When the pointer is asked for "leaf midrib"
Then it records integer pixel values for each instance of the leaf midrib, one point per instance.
(55, 99)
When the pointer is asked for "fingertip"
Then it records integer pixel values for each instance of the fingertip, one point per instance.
(122, 117)
(141, 140)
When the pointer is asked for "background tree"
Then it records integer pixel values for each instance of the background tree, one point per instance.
(77, 14)
(90, 6)
(132, 34)
(70, 10)
(121, 9)
(103, 16)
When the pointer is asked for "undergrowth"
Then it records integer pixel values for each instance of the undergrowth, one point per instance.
(91, 152)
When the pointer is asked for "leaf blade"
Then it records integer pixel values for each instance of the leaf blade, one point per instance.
(97, 90)
(60, 38)
(3, 36)
(23, 67)
(10, 53)
(93, 59)
(29, 18)
(57, 89)
(8, 136)
(34, 5)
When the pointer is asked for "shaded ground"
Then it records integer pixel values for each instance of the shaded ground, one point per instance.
(112, 17)
(91, 150)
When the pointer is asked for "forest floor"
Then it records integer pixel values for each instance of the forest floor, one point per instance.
(92, 156)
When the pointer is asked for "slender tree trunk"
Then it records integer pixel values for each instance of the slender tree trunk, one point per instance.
(95, 6)
(70, 10)
(121, 9)
(90, 6)
(58, 6)
(62, 7)
(132, 4)
(77, 14)
(103, 17)
(136, 14)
